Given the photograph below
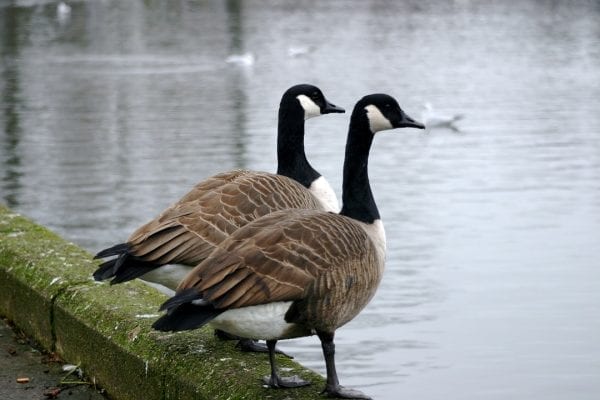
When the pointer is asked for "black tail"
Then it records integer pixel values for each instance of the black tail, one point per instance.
(116, 250)
(123, 268)
(183, 314)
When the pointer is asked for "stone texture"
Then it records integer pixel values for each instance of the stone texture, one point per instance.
(47, 290)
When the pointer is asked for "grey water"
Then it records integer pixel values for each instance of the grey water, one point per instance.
(113, 110)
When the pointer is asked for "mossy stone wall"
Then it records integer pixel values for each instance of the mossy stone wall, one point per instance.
(47, 290)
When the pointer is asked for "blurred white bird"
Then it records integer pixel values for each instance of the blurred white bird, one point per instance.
(246, 59)
(299, 51)
(63, 11)
(431, 119)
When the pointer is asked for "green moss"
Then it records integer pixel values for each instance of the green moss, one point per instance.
(35, 266)
(47, 289)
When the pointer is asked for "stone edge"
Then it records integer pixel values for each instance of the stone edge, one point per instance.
(46, 289)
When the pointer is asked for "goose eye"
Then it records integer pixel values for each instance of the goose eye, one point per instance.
(315, 95)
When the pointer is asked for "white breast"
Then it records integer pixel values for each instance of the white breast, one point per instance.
(324, 192)
(376, 232)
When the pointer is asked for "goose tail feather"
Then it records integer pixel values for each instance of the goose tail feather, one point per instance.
(123, 268)
(185, 311)
(113, 251)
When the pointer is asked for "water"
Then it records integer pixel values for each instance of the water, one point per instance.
(492, 287)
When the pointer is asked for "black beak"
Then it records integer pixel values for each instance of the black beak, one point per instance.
(408, 122)
(331, 108)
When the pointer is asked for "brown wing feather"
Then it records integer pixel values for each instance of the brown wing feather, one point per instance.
(274, 259)
(213, 183)
(190, 229)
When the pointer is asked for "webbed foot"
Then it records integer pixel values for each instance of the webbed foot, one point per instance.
(341, 392)
(284, 382)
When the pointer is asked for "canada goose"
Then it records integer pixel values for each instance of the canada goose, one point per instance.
(186, 232)
(298, 272)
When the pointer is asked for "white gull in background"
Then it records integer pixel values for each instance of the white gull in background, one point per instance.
(246, 59)
(63, 12)
(432, 119)
(299, 51)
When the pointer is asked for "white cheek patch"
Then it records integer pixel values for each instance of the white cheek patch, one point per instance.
(377, 121)
(311, 109)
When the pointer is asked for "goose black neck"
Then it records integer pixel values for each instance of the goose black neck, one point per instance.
(291, 159)
(357, 198)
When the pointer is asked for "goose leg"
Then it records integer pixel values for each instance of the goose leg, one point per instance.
(247, 345)
(333, 387)
(276, 381)
(253, 346)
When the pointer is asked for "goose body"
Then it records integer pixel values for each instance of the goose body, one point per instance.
(298, 272)
(297, 292)
(186, 232)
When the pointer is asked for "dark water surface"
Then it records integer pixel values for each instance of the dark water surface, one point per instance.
(492, 287)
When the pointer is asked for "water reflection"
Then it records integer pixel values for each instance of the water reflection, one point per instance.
(9, 51)
(112, 114)
(236, 82)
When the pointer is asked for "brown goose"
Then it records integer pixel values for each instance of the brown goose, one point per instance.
(187, 231)
(298, 272)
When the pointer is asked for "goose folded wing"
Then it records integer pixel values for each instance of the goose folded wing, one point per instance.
(278, 257)
(189, 230)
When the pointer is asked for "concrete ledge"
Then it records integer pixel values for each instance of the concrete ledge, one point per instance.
(47, 290)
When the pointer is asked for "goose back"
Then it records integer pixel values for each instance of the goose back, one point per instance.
(189, 230)
(325, 265)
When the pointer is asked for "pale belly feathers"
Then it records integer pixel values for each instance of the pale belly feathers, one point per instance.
(265, 321)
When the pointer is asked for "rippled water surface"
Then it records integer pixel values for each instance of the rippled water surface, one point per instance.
(492, 288)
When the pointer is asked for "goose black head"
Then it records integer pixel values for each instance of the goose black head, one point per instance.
(310, 99)
(383, 112)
